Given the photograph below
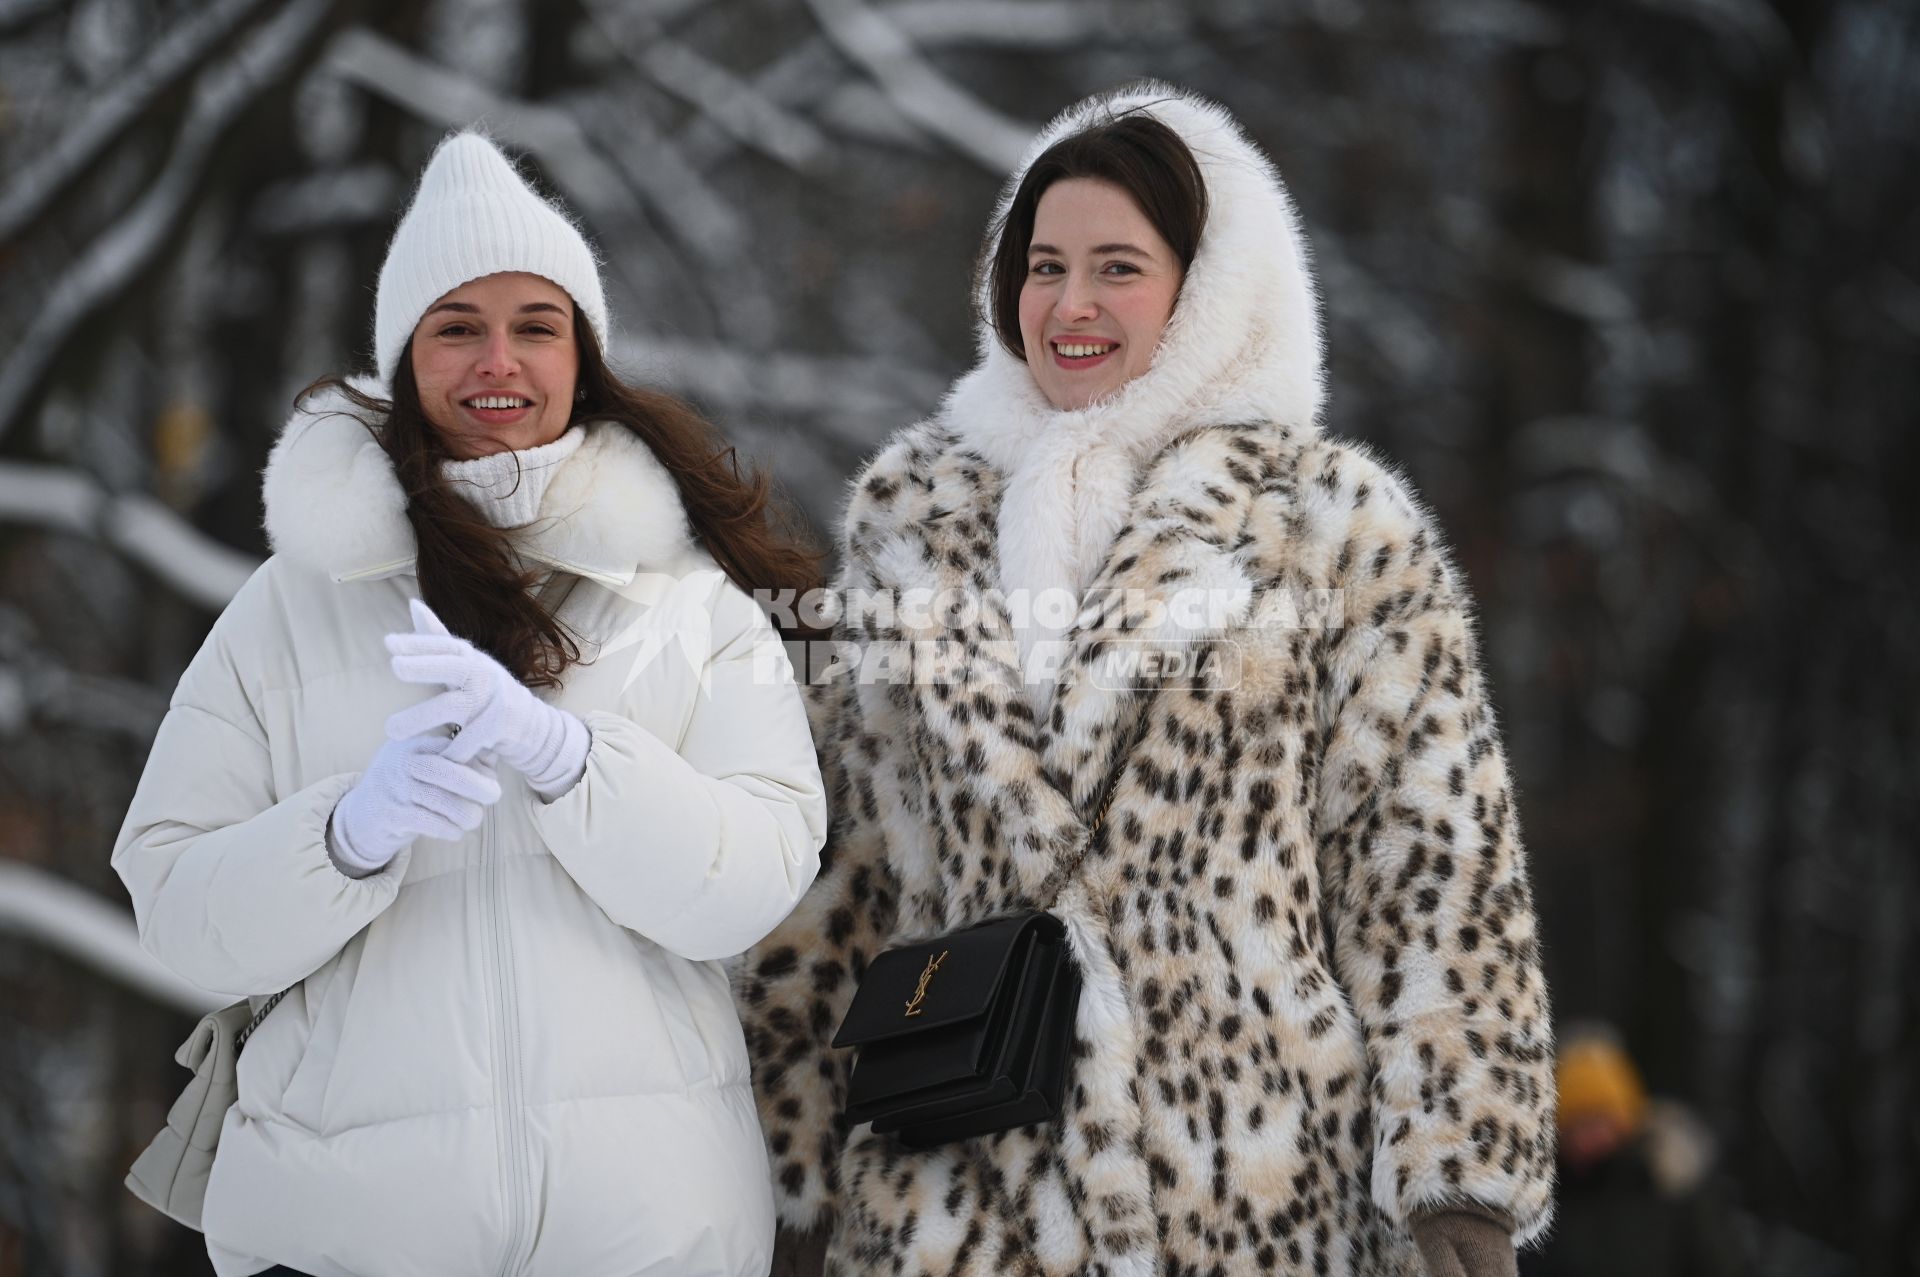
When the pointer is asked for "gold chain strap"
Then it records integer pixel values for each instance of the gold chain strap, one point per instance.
(1058, 879)
(1100, 817)
(240, 1038)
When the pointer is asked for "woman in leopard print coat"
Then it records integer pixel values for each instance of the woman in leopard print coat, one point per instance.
(1314, 1034)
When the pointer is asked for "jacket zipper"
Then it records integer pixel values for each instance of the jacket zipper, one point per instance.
(517, 1168)
(516, 1176)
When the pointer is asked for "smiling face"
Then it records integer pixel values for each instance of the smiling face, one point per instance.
(495, 363)
(1101, 284)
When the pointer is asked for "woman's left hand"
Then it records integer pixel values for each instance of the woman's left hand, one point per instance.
(490, 709)
(1465, 1243)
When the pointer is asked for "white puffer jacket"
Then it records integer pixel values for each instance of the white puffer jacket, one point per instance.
(515, 1053)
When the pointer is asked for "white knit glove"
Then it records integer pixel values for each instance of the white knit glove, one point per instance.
(491, 710)
(410, 790)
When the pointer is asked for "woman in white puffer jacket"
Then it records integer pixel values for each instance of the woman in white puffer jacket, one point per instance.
(496, 875)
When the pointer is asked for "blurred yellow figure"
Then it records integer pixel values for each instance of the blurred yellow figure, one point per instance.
(1602, 1100)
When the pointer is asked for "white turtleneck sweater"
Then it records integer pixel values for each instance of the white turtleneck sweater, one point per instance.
(506, 487)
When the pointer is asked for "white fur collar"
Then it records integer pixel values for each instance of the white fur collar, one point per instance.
(334, 503)
(1243, 346)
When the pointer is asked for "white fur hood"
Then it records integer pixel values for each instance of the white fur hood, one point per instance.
(333, 502)
(1244, 342)
(1243, 346)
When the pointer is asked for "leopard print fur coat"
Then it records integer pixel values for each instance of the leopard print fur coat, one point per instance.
(1313, 1008)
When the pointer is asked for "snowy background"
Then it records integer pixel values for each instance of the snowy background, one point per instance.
(1630, 289)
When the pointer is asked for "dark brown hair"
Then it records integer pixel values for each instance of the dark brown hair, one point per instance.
(1134, 151)
(468, 571)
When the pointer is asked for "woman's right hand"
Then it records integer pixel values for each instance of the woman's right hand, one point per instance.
(410, 790)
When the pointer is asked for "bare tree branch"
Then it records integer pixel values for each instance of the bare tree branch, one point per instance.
(37, 690)
(28, 192)
(644, 163)
(923, 95)
(800, 77)
(18, 13)
(807, 76)
(186, 558)
(654, 166)
(328, 200)
(834, 388)
(1033, 24)
(112, 261)
(443, 97)
(1514, 22)
(735, 105)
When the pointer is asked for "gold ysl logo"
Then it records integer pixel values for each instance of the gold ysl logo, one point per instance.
(920, 994)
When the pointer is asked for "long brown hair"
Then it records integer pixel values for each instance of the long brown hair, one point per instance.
(469, 573)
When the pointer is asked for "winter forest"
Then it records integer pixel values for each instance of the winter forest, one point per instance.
(1629, 290)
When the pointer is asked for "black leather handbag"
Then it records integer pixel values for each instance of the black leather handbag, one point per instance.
(971, 1032)
(965, 1034)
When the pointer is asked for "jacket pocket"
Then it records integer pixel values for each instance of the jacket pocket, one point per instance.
(680, 993)
(327, 992)
(272, 1056)
(709, 1000)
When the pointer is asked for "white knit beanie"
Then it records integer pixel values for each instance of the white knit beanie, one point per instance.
(472, 216)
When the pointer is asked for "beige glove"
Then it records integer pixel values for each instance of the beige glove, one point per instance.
(1466, 1242)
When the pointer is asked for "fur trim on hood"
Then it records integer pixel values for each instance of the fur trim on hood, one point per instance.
(1243, 346)
(334, 503)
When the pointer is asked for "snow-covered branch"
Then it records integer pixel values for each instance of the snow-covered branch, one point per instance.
(603, 192)
(1034, 24)
(327, 200)
(28, 191)
(113, 260)
(644, 163)
(809, 77)
(973, 128)
(139, 526)
(444, 97)
(797, 80)
(1581, 289)
(38, 691)
(1380, 314)
(15, 14)
(657, 170)
(732, 103)
(180, 554)
(1513, 22)
(833, 388)
(75, 922)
